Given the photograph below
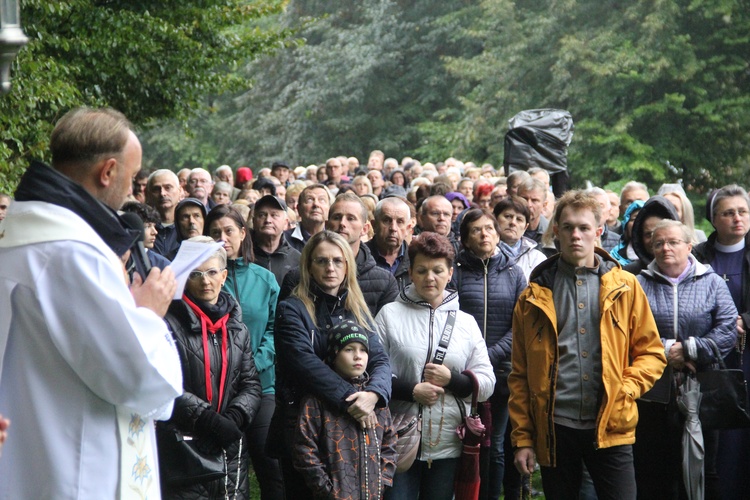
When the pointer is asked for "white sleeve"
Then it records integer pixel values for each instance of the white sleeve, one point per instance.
(123, 353)
(479, 359)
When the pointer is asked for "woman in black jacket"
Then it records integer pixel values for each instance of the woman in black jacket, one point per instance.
(488, 285)
(327, 294)
(222, 388)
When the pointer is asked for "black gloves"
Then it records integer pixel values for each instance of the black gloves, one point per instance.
(236, 416)
(222, 429)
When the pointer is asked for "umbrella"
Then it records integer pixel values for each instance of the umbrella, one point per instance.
(467, 476)
(693, 451)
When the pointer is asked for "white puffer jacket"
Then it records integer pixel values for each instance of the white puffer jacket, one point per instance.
(410, 331)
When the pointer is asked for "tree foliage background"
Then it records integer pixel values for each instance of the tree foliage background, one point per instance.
(648, 81)
(152, 60)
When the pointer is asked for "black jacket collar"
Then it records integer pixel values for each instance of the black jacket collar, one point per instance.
(42, 183)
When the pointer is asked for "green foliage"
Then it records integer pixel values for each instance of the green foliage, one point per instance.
(364, 78)
(646, 82)
(151, 60)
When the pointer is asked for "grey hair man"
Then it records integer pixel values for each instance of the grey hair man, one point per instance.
(200, 185)
(392, 228)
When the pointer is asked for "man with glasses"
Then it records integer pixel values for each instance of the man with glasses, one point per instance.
(435, 215)
(200, 184)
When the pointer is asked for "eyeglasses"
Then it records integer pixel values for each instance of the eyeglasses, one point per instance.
(731, 214)
(324, 262)
(658, 245)
(198, 275)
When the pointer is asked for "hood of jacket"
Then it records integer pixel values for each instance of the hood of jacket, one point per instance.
(410, 296)
(656, 206)
(544, 273)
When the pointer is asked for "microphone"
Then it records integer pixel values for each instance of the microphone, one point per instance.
(138, 251)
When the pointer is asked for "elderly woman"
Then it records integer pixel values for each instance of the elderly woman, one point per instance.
(488, 283)
(727, 250)
(411, 330)
(693, 310)
(256, 291)
(327, 293)
(222, 390)
(512, 214)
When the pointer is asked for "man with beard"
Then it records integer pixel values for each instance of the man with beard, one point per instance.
(163, 193)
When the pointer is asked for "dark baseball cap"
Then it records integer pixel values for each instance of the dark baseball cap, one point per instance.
(273, 201)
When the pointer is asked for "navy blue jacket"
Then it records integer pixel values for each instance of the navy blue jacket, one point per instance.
(301, 347)
(488, 290)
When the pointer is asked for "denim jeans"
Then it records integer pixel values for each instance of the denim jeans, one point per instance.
(611, 468)
(425, 483)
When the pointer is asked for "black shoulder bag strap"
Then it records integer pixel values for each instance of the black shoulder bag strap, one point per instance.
(445, 338)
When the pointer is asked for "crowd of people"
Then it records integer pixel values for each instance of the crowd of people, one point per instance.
(344, 295)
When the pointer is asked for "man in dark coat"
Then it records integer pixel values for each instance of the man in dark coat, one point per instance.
(393, 223)
(272, 251)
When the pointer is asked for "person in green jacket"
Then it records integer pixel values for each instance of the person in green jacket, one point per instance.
(256, 290)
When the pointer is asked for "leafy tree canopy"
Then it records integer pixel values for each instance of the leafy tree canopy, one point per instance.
(151, 60)
(646, 82)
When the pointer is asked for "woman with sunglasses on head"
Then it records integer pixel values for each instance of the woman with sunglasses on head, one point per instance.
(222, 389)
(327, 294)
(256, 290)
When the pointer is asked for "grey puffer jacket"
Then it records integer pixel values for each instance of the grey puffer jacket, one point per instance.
(699, 306)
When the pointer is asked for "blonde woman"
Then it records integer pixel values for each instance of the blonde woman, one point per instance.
(327, 294)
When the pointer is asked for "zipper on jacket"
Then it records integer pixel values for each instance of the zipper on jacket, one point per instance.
(674, 307)
(233, 266)
(484, 329)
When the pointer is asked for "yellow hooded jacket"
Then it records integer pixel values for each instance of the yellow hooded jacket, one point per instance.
(632, 360)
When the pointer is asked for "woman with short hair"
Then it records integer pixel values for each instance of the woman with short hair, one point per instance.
(256, 290)
(727, 250)
(694, 313)
(221, 386)
(426, 383)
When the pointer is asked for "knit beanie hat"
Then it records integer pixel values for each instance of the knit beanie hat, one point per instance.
(343, 334)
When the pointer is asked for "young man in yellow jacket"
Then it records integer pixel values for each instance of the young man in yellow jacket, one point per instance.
(585, 347)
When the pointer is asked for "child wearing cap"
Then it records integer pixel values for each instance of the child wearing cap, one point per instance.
(338, 458)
